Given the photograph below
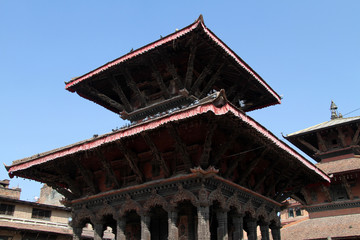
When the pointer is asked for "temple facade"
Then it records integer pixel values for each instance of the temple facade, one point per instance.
(192, 164)
(334, 209)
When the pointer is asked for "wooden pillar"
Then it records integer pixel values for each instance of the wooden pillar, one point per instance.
(264, 229)
(251, 229)
(145, 227)
(173, 232)
(275, 232)
(238, 225)
(77, 233)
(222, 230)
(120, 229)
(203, 229)
(98, 231)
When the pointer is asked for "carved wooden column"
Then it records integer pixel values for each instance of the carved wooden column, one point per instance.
(98, 231)
(77, 233)
(264, 229)
(222, 230)
(275, 232)
(173, 232)
(203, 230)
(238, 225)
(120, 229)
(145, 227)
(251, 225)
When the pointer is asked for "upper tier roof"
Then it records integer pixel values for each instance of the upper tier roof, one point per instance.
(173, 72)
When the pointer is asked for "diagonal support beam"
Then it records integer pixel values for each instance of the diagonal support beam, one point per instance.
(103, 97)
(356, 138)
(308, 145)
(223, 148)
(157, 155)
(66, 193)
(160, 81)
(347, 188)
(204, 160)
(212, 80)
(190, 66)
(87, 175)
(132, 159)
(109, 170)
(341, 136)
(267, 173)
(180, 145)
(322, 145)
(171, 69)
(132, 84)
(252, 166)
(205, 72)
(231, 168)
(121, 94)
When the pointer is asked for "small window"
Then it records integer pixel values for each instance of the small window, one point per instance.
(7, 209)
(298, 212)
(291, 212)
(41, 214)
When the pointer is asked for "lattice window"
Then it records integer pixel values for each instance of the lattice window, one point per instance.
(7, 209)
(41, 214)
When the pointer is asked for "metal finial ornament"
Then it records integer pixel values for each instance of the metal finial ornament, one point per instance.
(334, 112)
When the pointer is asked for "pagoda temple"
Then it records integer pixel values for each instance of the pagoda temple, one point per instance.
(192, 164)
(334, 209)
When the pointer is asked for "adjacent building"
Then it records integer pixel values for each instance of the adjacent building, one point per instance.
(192, 164)
(334, 209)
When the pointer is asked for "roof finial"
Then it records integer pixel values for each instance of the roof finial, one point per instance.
(201, 18)
(334, 113)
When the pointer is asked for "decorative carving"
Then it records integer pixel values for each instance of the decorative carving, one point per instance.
(274, 218)
(129, 205)
(261, 213)
(107, 209)
(233, 201)
(210, 171)
(249, 208)
(182, 195)
(79, 217)
(218, 196)
(203, 196)
(156, 200)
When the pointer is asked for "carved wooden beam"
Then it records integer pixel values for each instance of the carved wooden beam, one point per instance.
(190, 66)
(252, 166)
(66, 193)
(347, 188)
(356, 138)
(132, 84)
(231, 168)
(268, 171)
(341, 136)
(205, 72)
(157, 75)
(204, 160)
(224, 147)
(132, 159)
(156, 154)
(87, 175)
(287, 185)
(276, 182)
(121, 94)
(212, 80)
(171, 69)
(306, 195)
(103, 97)
(180, 145)
(108, 168)
(326, 192)
(322, 145)
(308, 145)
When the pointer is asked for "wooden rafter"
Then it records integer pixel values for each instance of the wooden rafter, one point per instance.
(103, 97)
(347, 187)
(108, 168)
(121, 94)
(306, 195)
(341, 136)
(288, 185)
(204, 160)
(212, 80)
(171, 69)
(224, 147)
(132, 84)
(180, 145)
(190, 64)
(322, 145)
(252, 166)
(267, 173)
(132, 160)
(205, 72)
(234, 163)
(159, 78)
(87, 175)
(157, 155)
(276, 182)
(66, 193)
(308, 145)
(356, 138)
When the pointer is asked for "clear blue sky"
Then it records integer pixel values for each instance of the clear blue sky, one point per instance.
(308, 51)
